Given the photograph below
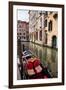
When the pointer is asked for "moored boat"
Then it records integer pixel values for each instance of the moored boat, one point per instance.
(33, 67)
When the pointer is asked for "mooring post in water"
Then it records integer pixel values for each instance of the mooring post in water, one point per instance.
(20, 56)
(23, 47)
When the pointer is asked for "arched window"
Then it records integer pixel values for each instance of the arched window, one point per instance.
(50, 26)
(36, 35)
(45, 23)
(40, 35)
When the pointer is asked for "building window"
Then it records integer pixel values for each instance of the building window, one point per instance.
(55, 16)
(50, 26)
(54, 41)
(41, 13)
(51, 12)
(41, 22)
(23, 33)
(46, 13)
(36, 35)
(27, 31)
(45, 23)
(19, 29)
(19, 26)
(24, 37)
(17, 33)
(20, 33)
(20, 37)
(40, 36)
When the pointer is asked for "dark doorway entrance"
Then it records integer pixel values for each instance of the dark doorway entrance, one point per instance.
(54, 41)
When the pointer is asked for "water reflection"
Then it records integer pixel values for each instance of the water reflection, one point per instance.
(47, 56)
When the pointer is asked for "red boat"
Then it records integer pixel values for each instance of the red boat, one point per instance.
(33, 68)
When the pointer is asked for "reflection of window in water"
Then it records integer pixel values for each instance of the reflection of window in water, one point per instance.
(48, 54)
(36, 51)
(49, 66)
(43, 58)
(54, 55)
(40, 54)
(45, 53)
(52, 68)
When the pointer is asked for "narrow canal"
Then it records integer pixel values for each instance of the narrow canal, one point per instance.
(47, 56)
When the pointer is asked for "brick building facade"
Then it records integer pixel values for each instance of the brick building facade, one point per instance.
(23, 30)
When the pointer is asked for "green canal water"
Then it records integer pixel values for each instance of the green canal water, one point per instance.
(48, 56)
